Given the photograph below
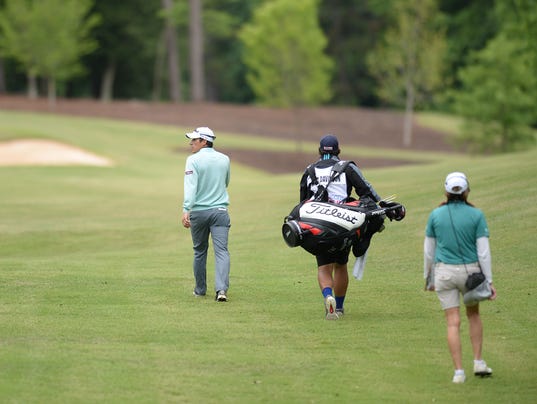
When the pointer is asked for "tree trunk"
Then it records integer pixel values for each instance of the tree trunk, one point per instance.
(174, 73)
(32, 86)
(197, 68)
(409, 109)
(51, 92)
(2, 78)
(107, 84)
(159, 66)
(299, 126)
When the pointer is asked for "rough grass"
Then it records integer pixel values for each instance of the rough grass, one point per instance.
(96, 282)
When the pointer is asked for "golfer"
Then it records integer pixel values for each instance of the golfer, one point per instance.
(456, 245)
(207, 175)
(332, 272)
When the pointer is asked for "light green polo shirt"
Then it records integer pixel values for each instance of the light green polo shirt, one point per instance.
(207, 175)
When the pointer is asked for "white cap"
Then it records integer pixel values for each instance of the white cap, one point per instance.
(202, 133)
(456, 183)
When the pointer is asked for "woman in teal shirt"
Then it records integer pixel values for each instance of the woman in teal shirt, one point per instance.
(456, 245)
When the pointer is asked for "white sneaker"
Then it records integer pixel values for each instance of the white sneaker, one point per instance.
(221, 296)
(459, 377)
(481, 369)
(330, 308)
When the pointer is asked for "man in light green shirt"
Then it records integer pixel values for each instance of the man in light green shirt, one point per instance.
(207, 175)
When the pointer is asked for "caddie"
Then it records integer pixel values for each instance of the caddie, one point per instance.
(332, 271)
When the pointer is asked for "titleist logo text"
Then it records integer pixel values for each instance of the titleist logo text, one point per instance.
(320, 209)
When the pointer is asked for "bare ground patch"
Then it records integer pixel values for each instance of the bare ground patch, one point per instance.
(294, 162)
(42, 152)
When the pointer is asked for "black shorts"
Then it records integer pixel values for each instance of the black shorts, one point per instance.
(341, 257)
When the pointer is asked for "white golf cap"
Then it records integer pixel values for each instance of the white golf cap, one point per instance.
(202, 132)
(456, 183)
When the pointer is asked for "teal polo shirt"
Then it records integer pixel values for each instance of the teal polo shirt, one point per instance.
(470, 224)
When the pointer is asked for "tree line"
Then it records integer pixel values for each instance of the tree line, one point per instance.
(477, 59)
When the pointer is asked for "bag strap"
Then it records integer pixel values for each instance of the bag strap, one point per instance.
(457, 240)
(338, 168)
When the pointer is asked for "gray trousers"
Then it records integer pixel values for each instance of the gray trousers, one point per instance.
(217, 223)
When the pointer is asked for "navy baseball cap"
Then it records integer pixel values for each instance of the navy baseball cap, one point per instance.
(329, 144)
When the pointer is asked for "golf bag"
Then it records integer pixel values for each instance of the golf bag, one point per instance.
(321, 227)
(324, 227)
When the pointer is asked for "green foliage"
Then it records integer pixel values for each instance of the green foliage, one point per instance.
(499, 87)
(128, 31)
(283, 50)
(469, 26)
(128, 40)
(225, 72)
(96, 284)
(222, 19)
(410, 57)
(351, 29)
(16, 32)
(47, 37)
(521, 26)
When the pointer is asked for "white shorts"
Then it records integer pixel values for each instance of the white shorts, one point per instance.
(450, 280)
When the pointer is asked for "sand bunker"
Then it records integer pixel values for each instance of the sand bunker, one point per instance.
(46, 153)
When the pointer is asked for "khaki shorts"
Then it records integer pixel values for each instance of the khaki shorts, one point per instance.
(449, 282)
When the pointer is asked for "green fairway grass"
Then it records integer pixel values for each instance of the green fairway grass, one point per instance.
(96, 282)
